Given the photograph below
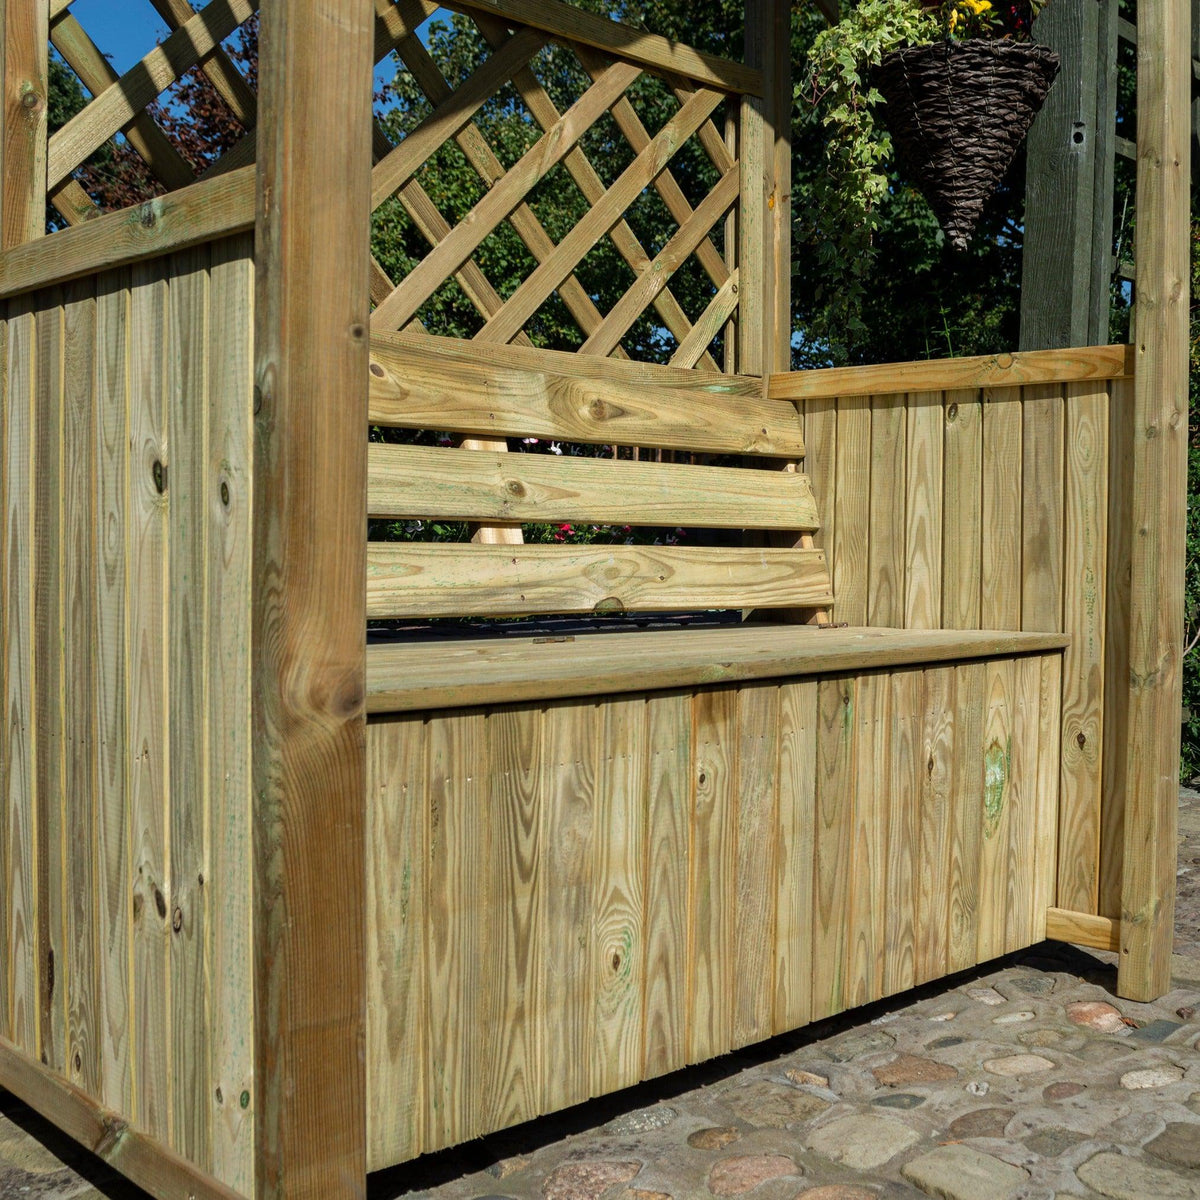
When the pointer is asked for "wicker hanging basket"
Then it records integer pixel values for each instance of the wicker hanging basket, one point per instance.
(957, 112)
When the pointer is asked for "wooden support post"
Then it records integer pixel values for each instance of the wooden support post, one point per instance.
(765, 209)
(1159, 499)
(310, 514)
(25, 29)
(1067, 255)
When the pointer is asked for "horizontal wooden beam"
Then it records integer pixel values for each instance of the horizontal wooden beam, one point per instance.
(475, 485)
(406, 676)
(1080, 365)
(407, 579)
(571, 24)
(147, 1163)
(512, 391)
(201, 212)
(1084, 929)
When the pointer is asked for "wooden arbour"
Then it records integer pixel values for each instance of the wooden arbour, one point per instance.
(286, 902)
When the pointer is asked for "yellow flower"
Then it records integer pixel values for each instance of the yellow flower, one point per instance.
(953, 20)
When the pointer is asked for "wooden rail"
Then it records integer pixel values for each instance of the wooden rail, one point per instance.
(1077, 365)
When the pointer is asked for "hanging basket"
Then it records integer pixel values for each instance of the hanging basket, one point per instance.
(957, 112)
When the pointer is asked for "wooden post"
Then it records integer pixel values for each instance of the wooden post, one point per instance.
(1159, 499)
(25, 29)
(1067, 257)
(309, 625)
(765, 209)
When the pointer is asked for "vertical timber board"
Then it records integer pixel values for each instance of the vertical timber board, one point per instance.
(21, 1016)
(1000, 572)
(309, 668)
(794, 855)
(79, 633)
(1048, 796)
(903, 792)
(47, 669)
(454, 938)
(227, 515)
(1160, 400)
(668, 854)
(570, 749)
(508, 1034)
(713, 868)
(866, 920)
(114, 895)
(933, 856)
(754, 900)
(753, 266)
(25, 34)
(398, 839)
(618, 899)
(885, 588)
(852, 509)
(187, 655)
(1116, 646)
(998, 802)
(923, 512)
(1084, 575)
(837, 732)
(966, 816)
(1042, 508)
(962, 532)
(146, 720)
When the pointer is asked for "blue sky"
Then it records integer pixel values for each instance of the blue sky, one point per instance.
(126, 29)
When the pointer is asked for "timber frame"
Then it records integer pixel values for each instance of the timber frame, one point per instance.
(286, 901)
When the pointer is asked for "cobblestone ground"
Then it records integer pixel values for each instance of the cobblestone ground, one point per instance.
(1027, 1080)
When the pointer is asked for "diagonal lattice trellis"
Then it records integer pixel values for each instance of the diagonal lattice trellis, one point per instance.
(124, 107)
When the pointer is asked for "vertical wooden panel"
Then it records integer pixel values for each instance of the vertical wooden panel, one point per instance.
(1116, 647)
(20, 773)
(227, 513)
(713, 869)
(754, 919)
(1020, 870)
(398, 841)
(187, 655)
(668, 857)
(506, 1037)
(455, 946)
(835, 808)
(962, 524)
(1084, 577)
(25, 30)
(1000, 582)
(867, 919)
(114, 894)
(311, 325)
(999, 799)
(820, 465)
(8, 429)
(923, 512)
(933, 890)
(619, 946)
(885, 601)
(794, 855)
(852, 509)
(1046, 848)
(572, 731)
(751, 227)
(48, 707)
(903, 799)
(1159, 499)
(145, 670)
(1042, 508)
(79, 633)
(966, 815)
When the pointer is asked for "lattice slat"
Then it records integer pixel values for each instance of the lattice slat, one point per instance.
(530, 296)
(142, 84)
(493, 208)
